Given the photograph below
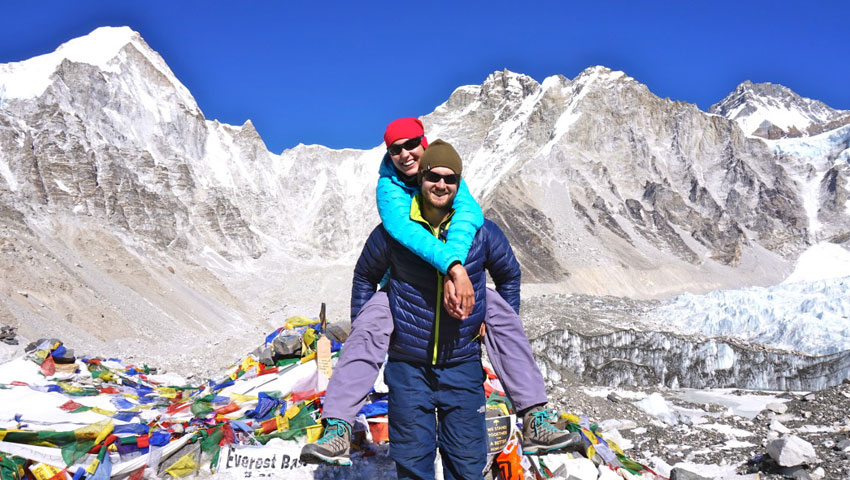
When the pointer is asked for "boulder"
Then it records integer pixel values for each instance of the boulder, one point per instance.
(679, 473)
(287, 346)
(791, 450)
(777, 426)
(614, 397)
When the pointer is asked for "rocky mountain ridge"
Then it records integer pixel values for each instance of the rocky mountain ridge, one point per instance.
(773, 111)
(111, 174)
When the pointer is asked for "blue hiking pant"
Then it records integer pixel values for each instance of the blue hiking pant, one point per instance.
(433, 407)
(365, 350)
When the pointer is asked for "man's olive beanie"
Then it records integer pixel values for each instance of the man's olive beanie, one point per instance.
(440, 154)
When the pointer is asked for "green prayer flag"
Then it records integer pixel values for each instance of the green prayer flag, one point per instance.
(201, 409)
(73, 452)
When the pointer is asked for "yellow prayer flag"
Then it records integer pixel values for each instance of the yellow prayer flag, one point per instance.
(310, 356)
(570, 417)
(104, 433)
(248, 363)
(166, 392)
(590, 436)
(70, 388)
(185, 466)
(91, 468)
(92, 431)
(299, 321)
(309, 336)
(292, 411)
(282, 423)
(238, 397)
(43, 471)
(103, 411)
(314, 432)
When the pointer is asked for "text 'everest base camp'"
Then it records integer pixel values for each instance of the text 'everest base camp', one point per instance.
(686, 276)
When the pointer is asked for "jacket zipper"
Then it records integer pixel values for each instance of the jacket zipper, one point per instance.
(437, 316)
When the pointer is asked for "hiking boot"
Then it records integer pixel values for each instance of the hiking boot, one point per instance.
(332, 448)
(540, 435)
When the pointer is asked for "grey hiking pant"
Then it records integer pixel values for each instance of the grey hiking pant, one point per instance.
(365, 350)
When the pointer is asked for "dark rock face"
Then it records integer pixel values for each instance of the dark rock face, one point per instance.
(834, 193)
(528, 227)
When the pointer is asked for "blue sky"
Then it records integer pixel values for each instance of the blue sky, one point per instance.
(335, 73)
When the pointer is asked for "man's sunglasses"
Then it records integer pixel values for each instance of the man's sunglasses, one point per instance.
(451, 179)
(409, 145)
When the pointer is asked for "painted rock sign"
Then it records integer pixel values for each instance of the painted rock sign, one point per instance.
(262, 461)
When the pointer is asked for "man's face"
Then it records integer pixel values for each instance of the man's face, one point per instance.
(439, 193)
(407, 161)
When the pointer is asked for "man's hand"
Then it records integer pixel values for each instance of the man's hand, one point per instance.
(458, 294)
(450, 299)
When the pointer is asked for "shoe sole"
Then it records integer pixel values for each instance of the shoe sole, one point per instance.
(319, 459)
(538, 449)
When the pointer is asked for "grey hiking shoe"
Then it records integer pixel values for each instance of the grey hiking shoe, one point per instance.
(540, 435)
(332, 448)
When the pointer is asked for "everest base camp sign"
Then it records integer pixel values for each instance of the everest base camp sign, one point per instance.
(262, 461)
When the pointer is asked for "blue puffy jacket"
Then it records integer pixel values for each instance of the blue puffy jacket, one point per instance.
(393, 197)
(423, 330)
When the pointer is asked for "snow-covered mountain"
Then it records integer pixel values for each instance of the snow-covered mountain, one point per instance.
(773, 111)
(117, 192)
(810, 140)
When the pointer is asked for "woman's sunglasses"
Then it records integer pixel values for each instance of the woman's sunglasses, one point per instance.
(451, 179)
(409, 145)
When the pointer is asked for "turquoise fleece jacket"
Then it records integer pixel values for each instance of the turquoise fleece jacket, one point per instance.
(394, 196)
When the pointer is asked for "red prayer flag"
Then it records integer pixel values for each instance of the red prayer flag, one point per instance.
(176, 407)
(230, 408)
(138, 474)
(48, 367)
(70, 405)
(229, 436)
(309, 395)
(269, 425)
(488, 389)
